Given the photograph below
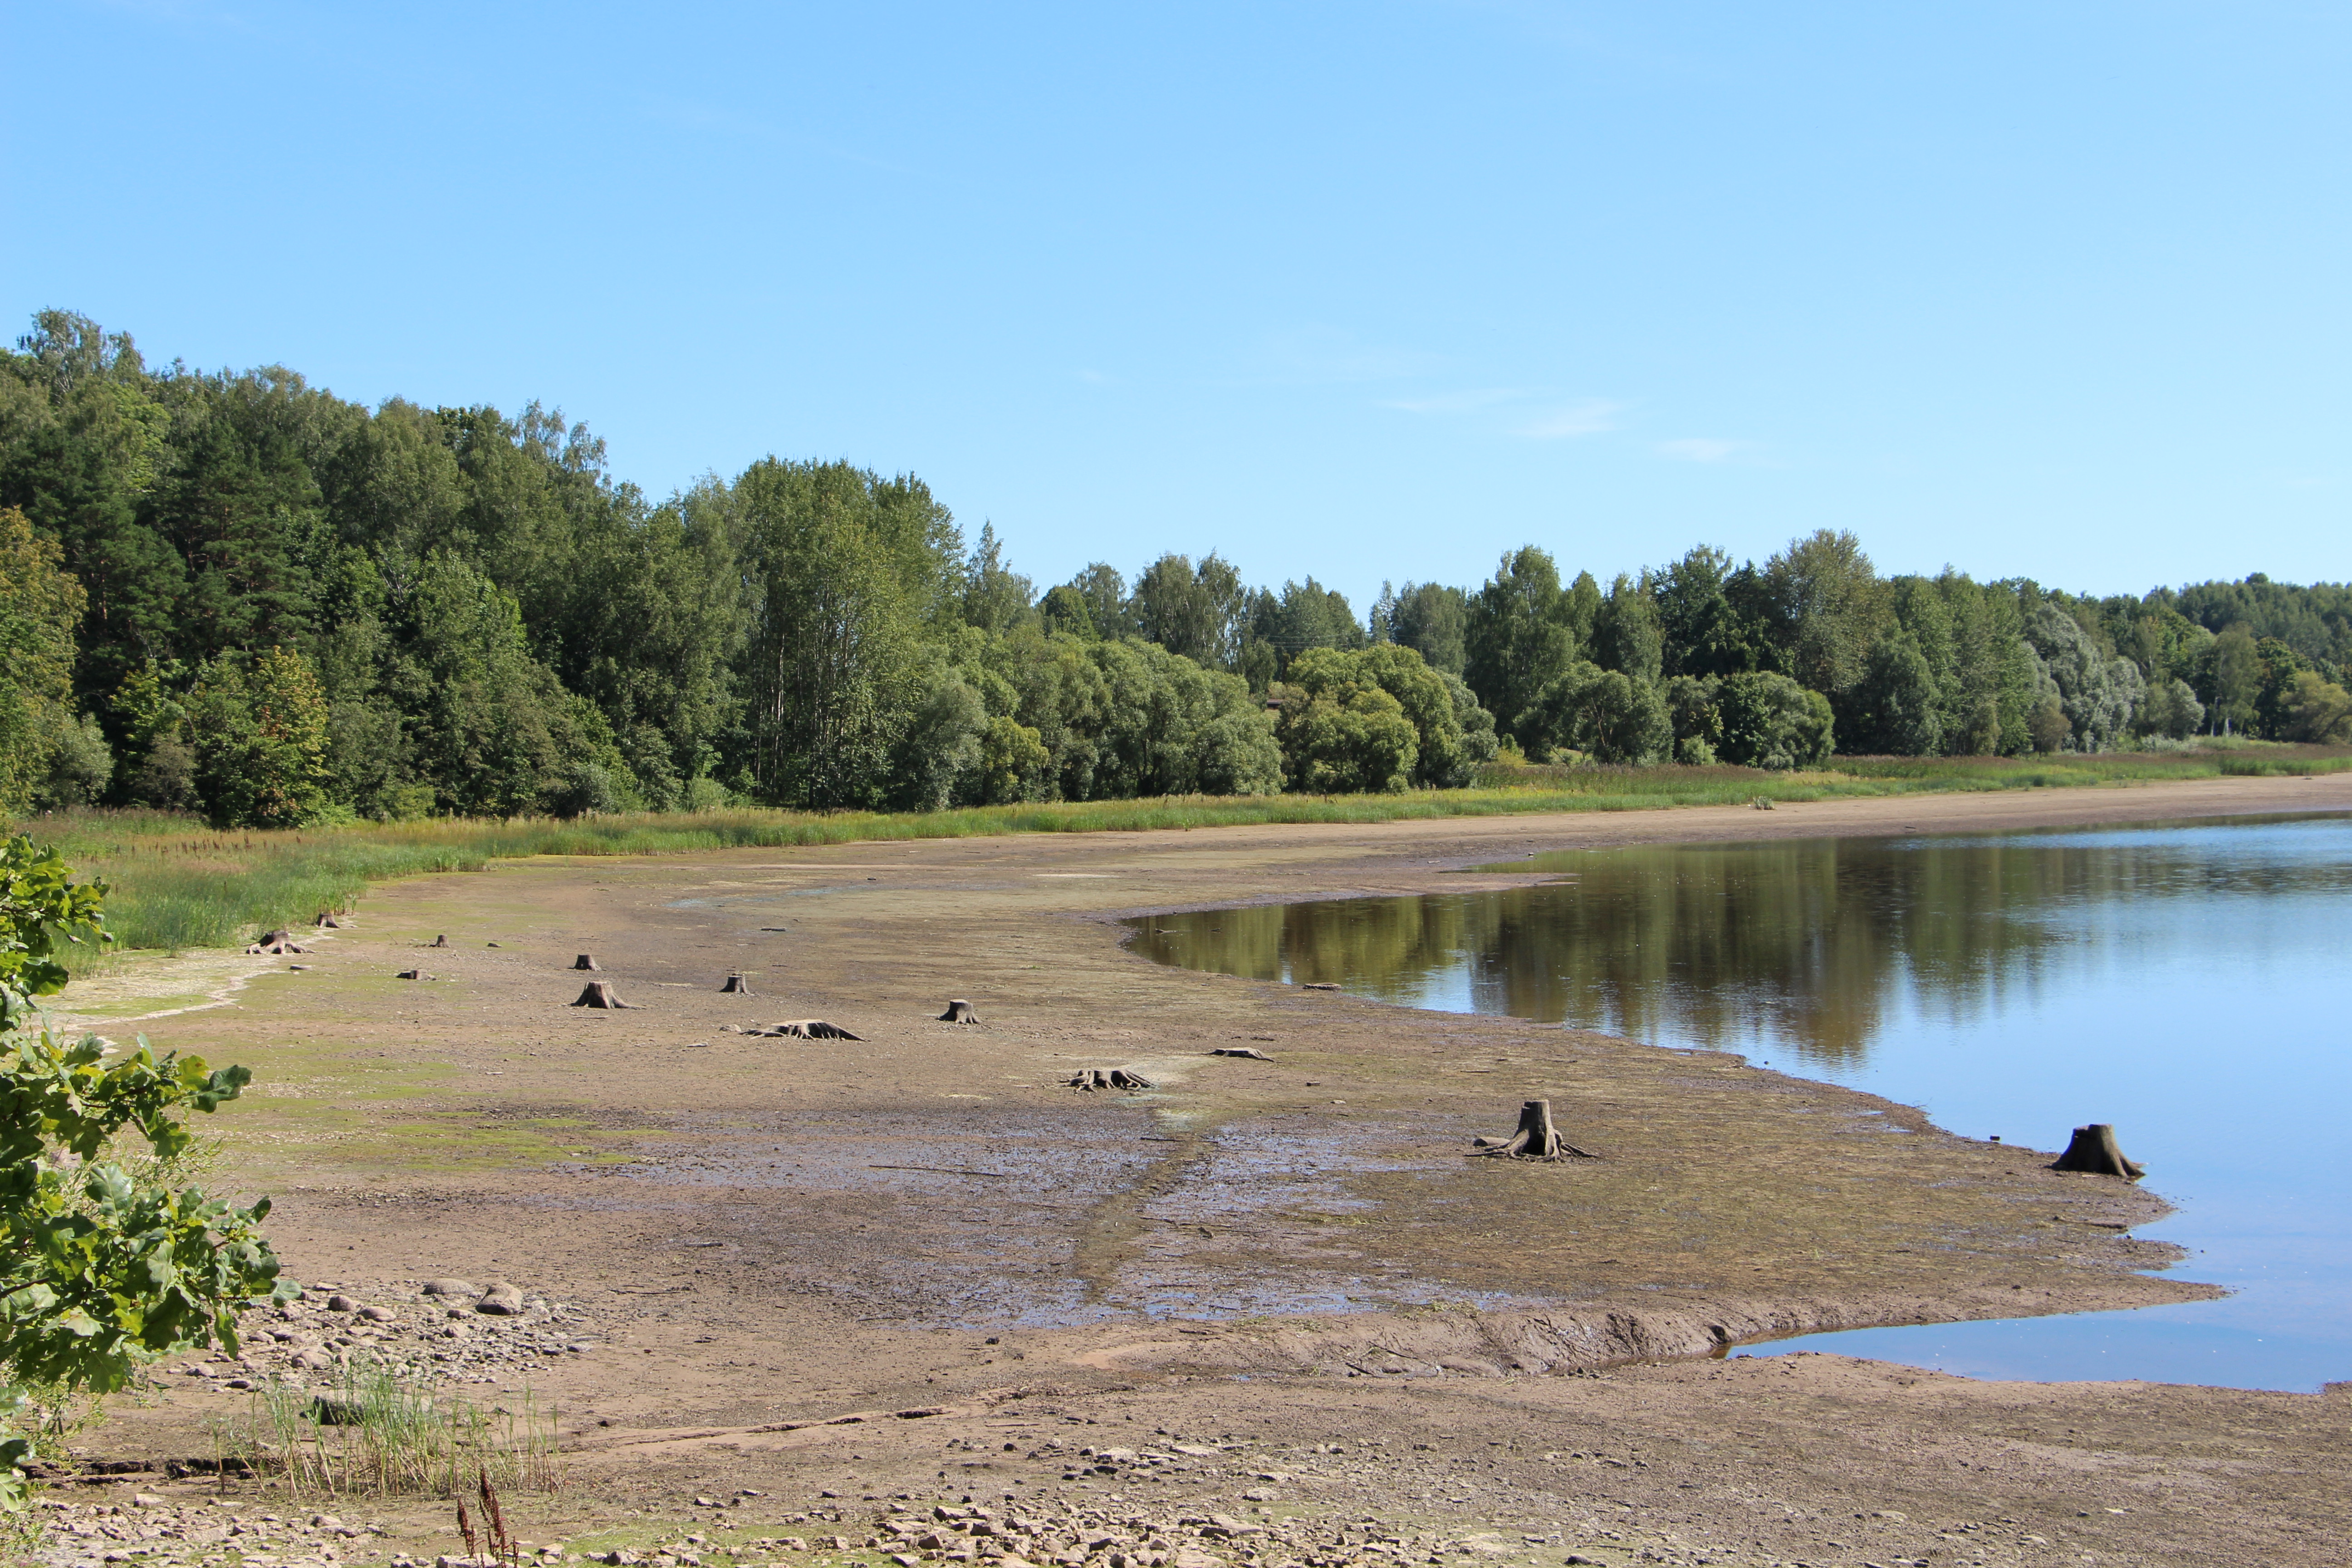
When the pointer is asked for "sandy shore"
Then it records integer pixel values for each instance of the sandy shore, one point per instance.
(1292, 1255)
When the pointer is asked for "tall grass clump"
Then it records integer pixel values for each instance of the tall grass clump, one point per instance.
(382, 1432)
(178, 884)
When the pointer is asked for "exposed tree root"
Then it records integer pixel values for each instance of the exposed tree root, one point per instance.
(1537, 1139)
(1092, 1079)
(959, 1012)
(2094, 1152)
(804, 1029)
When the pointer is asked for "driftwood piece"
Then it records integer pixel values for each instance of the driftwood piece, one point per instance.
(1252, 1052)
(959, 1012)
(412, 974)
(1092, 1079)
(2094, 1152)
(807, 1030)
(1537, 1139)
(1318, 985)
(599, 994)
(585, 960)
(737, 986)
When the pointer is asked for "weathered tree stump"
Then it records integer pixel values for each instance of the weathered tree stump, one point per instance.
(412, 974)
(599, 994)
(2094, 1152)
(809, 1029)
(438, 942)
(327, 920)
(1092, 1079)
(959, 1012)
(276, 941)
(737, 986)
(585, 960)
(1537, 1139)
(1252, 1052)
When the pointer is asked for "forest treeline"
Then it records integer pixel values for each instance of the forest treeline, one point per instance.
(236, 593)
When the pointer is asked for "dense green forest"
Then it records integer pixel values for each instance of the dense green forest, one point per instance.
(236, 593)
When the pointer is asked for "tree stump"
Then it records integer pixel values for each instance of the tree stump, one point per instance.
(810, 1029)
(1537, 1139)
(276, 941)
(584, 961)
(599, 994)
(412, 974)
(1252, 1052)
(1092, 1079)
(327, 920)
(959, 1012)
(736, 984)
(438, 942)
(2093, 1150)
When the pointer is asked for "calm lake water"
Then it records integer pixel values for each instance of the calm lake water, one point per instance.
(2186, 982)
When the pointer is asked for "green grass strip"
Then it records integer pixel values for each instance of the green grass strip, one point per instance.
(179, 884)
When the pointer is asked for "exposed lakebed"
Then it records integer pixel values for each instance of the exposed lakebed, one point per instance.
(2184, 982)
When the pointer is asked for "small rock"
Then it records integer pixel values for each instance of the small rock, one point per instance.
(336, 1410)
(376, 1314)
(452, 1288)
(149, 1500)
(500, 1300)
(313, 1360)
(341, 1304)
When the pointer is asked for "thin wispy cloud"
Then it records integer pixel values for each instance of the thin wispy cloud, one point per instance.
(1701, 449)
(1592, 416)
(1471, 402)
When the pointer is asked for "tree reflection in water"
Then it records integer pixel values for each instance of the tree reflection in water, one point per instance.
(1804, 945)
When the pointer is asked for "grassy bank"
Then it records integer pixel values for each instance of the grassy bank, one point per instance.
(179, 884)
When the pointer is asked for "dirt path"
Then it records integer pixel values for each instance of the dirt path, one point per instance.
(1292, 1254)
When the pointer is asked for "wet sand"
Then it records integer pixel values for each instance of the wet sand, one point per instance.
(1296, 1252)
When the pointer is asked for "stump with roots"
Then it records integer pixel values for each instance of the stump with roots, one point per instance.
(327, 920)
(412, 974)
(806, 1029)
(959, 1012)
(1537, 1139)
(599, 994)
(279, 942)
(1092, 1079)
(1252, 1052)
(736, 984)
(585, 960)
(438, 942)
(2094, 1152)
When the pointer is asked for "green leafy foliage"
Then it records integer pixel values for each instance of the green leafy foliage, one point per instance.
(102, 1267)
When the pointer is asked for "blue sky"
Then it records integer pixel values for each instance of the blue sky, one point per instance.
(1369, 290)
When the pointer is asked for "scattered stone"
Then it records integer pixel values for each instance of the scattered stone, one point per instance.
(149, 1500)
(500, 1300)
(341, 1304)
(377, 1314)
(452, 1288)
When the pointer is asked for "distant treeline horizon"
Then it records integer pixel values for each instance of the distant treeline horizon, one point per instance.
(235, 594)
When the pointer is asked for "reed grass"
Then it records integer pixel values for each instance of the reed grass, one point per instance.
(397, 1436)
(178, 884)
